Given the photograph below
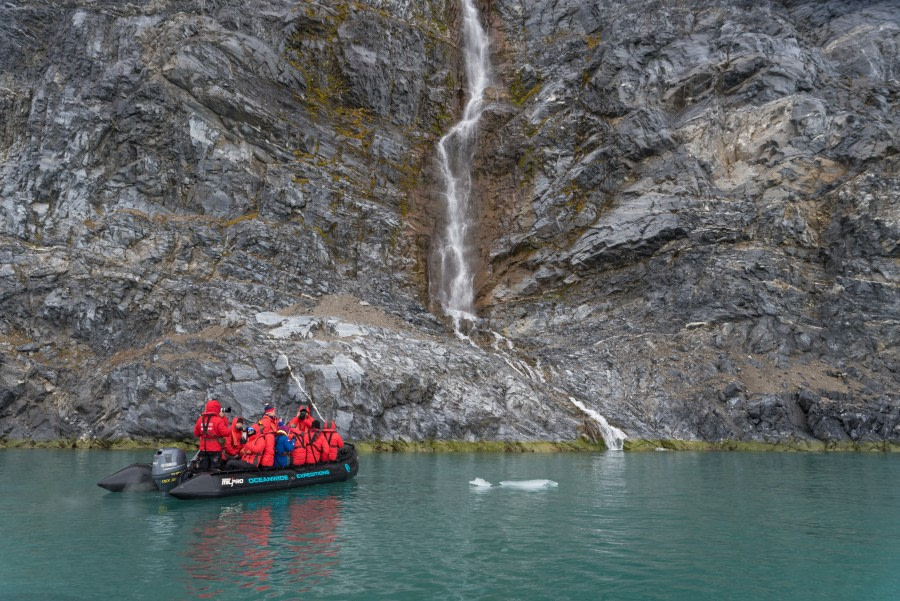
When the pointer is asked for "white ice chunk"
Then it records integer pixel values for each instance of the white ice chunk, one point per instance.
(529, 484)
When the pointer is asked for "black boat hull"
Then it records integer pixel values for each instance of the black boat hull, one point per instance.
(137, 477)
(212, 485)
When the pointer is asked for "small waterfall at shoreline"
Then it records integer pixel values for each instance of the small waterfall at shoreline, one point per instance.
(612, 436)
(453, 274)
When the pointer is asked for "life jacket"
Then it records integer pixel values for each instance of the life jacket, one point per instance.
(333, 439)
(254, 450)
(300, 440)
(316, 448)
(210, 428)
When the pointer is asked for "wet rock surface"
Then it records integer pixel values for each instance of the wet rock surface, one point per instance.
(688, 218)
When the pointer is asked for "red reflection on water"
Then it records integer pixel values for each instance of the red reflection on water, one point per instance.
(289, 543)
(312, 537)
(257, 559)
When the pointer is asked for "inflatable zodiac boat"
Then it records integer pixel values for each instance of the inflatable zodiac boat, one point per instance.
(170, 473)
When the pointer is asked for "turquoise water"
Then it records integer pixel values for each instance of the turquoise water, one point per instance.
(647, 526)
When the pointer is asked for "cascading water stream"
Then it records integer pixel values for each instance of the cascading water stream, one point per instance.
(612, 436)
(453, 274)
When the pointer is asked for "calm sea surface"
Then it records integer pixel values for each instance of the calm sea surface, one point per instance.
(666, 526)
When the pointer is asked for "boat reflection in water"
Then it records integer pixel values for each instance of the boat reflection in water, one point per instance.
(281, 544)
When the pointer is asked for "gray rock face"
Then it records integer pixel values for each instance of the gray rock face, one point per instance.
(688, 218)
(714, 199)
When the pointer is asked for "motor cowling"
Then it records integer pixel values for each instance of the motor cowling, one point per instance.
(167, 466)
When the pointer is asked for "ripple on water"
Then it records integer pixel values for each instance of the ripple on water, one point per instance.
(646, 526)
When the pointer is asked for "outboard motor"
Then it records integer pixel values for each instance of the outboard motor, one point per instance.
(167, 466)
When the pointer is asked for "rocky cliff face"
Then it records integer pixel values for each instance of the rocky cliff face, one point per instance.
(688, 218)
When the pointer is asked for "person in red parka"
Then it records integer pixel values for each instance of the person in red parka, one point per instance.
(268, 458)
(235, 440)
(259, 452)
(269, 421)
(303, 420)
(210, 428)
(316, 446)
(300, 438)
(333, 439)
(251, 453)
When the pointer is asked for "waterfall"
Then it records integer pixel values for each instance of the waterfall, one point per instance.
(613, 438)
(453, 273)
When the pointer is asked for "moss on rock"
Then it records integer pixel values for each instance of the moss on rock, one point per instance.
(479, 446)
(793, 445)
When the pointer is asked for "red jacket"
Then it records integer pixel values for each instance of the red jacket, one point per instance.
(233, 442)
(267, 423)
(302, 424)
(255, 449)
(298, 437)
(268, 458)
(334, 441)
(317, 448)
(210, 427)
(310, 447)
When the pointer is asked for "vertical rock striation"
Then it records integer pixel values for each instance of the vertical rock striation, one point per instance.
(697, 215)
(688, 218)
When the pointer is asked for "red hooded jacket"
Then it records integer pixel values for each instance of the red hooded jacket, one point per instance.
(268, 423)
(268, 458)
(300, 440)
(316, 447)
(302, 424)
(333, 439)
(233, 443)
(210, 427)
(260, 450)
(255, 449)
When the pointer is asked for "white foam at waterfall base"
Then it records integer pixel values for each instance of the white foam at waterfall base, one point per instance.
(463, 322)
(613, 438)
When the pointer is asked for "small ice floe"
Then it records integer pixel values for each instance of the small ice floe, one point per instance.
(480, 483)
(529, 484)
